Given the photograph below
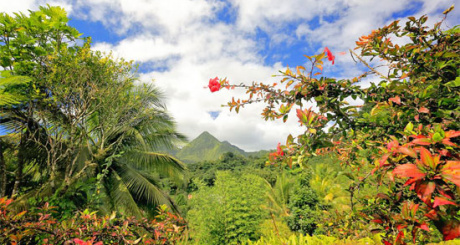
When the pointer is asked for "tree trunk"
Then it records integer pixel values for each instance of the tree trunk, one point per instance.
(18, 175)
(19, 172)
(2, 172)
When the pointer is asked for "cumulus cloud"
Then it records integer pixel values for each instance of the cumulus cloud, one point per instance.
(195, 40)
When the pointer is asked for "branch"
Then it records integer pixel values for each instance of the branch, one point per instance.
(368, 66)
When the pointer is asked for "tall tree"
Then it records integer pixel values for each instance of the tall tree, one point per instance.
(86, 117)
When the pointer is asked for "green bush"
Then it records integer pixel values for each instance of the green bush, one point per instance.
(230, 212)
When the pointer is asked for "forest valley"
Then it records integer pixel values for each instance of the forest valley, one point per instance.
(85, 158)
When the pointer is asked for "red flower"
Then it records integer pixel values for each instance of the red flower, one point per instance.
(330, 57)
(279, 152)
(214, 84)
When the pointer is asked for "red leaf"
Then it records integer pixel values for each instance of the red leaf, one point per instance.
(395, 99)
(446, 141)
(424, 226)
(400, 227)
(427, 159)
(379, 221)
(451, 230)
(452, 134)
(441, 191)
(399, 237)
(384, 159)
(421, 141)
(78, 241)
(423, 110)
(432, 215)
(425, 190)
(451, 172)
(409, 170)
(439, 201)
(406, 151)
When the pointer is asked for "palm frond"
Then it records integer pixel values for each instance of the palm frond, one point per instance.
(13, 81)
(121, 197)
(162, 163)
(7, 99)
(143, 187)
(8, 95)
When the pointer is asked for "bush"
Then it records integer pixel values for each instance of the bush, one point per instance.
(38, 226)
(230, 212)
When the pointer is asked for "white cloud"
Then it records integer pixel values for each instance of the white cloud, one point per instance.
(11, 7)
(187, 38)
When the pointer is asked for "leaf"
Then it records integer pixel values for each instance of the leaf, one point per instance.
(384, 159)
(437, 137)
(451, 172)
(378, 221)
(448, 10)
(409, 127)
(422, 141)
(395, 99)
(439, 201)
(409, 170)
(426, 158)
(423, 110)
(406, 151)
(425, 190)
(452, 134)
(424, 226)
(451, 229)
(404, 76)
(454, 84)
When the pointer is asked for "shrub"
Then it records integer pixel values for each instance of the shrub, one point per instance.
(38, 226)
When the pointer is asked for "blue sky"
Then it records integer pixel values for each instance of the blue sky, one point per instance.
(180, 44)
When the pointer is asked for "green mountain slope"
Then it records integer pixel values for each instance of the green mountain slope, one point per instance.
(206, 147)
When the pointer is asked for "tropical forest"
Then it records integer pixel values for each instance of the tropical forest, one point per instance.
(90, 155)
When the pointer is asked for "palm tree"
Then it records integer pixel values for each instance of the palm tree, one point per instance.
(328, 184)
(9, 94)
(126, 151)
(87, 117)
(278, 195)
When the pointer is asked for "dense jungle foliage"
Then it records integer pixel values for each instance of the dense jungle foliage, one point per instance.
(82, 160)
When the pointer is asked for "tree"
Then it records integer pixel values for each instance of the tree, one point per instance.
(409, 137)
(27, 42)
(230, 212)
(85, 126)
(305, 207)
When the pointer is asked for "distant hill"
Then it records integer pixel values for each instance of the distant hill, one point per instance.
(206, 147)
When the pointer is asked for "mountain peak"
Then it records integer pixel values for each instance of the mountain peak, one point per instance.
(205, 134)
(205, 137)
(206, 147)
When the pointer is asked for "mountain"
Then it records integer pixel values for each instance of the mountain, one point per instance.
(206, 147)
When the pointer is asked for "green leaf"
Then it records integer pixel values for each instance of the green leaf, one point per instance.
(454, 84)
(409, 127)
(437, 137)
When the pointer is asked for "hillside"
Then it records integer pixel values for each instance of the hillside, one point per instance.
(206, 147)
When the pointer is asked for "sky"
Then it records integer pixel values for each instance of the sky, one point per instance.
(180, 44)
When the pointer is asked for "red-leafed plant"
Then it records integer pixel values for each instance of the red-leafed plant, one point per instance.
(404, 140)
(86, 228)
